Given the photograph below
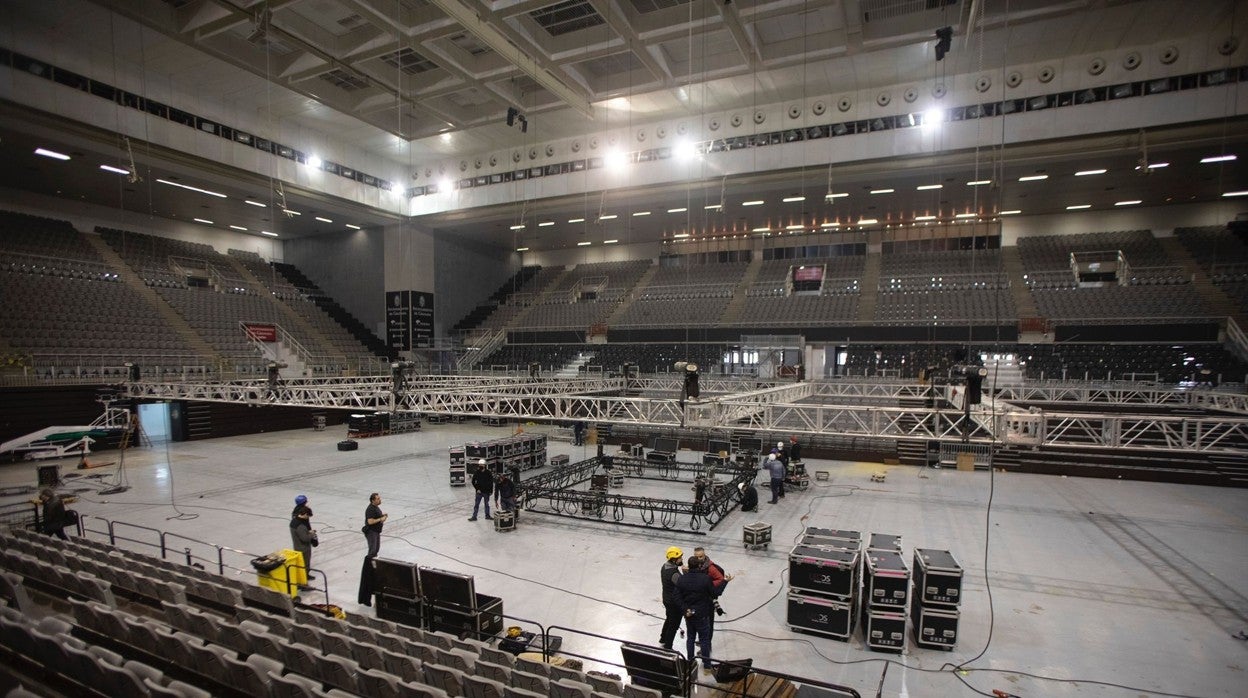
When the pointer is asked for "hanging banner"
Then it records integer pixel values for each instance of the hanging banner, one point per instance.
(399, 320)
(422, 319)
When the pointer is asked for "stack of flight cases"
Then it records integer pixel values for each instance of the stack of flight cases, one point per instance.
(404, 422)
(885, 591)
(664, 450)
(434, 599)
(823, 583)
(459, 466)
(519, 452)
(937, 593)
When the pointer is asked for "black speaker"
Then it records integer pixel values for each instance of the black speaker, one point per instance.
(49, 475)
(974, 386)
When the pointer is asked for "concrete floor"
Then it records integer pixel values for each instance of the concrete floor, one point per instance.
(1092, 580)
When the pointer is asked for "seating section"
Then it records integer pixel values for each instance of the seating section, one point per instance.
(1223, 256)
(156, 260)
(522, 298)
(1052, 252)
(215, 316)
(36, 245)
(649, 358)
(676, 312)
(800, 311)
(119, 640)
(1122, 304)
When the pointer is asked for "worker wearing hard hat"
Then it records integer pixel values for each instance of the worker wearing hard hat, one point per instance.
(674, 611)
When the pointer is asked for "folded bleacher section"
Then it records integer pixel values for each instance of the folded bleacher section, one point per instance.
(585, 296)
(947, 288)
(141, 626)
(770, 301)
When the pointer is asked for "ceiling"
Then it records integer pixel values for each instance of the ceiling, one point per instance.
(414, 80)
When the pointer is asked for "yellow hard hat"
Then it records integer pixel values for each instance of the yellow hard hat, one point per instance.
(674, 552)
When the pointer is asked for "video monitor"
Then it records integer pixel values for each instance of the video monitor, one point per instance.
(717, 445)
(395, 578)
(750, 443)
(666, 444)
(447, 588)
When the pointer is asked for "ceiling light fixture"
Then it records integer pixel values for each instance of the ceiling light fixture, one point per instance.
(608, 217)
(1128, 203)
(205, 221)
(51, 154)
(1078, 207)
(249, 202)
(794, 227)
(830, 224)
(545, 224)
(609, 242)
(615, 159)
(925, 218)
(762, 230)
(1085, 173)
(1236, 193)
(584, 244)
(643, 213)
(1033, 178)
(314, 162)
(793, 199)
(353, 227)
(837, 195)
(522, 249)
(756, 202)
(925, 187)
(965, 215)
(576, 220)
(680, 236)
(187, 187)
(868, 221)
(1218, 158)
(118, 170)
(518, 227)
(265, 232)
(882, 191)
(1010, 213)
(679, 209)
(323, 219)
(713, 207)
(290, 212)
(979, 183)
(238, 227)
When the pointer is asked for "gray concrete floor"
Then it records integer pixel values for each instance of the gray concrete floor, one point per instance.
(1130, 583)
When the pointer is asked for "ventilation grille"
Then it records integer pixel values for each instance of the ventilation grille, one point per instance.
(567, 17)
(408, 61)
(344, 80)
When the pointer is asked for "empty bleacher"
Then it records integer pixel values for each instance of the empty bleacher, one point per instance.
(954, 287)
(1223, 256)
(1121, 304)
(1052, 252)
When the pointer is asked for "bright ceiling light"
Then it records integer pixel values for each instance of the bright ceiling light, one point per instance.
(446, 184)
(615, 159)
(1078, 207)
(265, 232)
(933, 117)
(194, 189)
(518, 227)
(249, 202)
(756, 202)
(713, 207)
(1033, 178)
(576, 220)
(925, 218)
(117, 170)
(205, 221)
(314, 162)
(608, 217)
(925, 187)
(353, 227)
(522, 249)
(238, 227)
(609, 242)
(978, 182)
(762, 230)
(830, 224)
(51, 154)
(882, 191)
(545, 224)
(1218, 158)
(643, 213)
(836, 195)
(684, 150)
(1128, 203)
(793, 199)
(584, 244)
(680, 236)
(1157, 165)
(1236, 193)
(868, 221)
(293, 213)
(323, 219)
(678, 209)
(965, 215)
(794, 227)
(1010, 213)
(1085, 173)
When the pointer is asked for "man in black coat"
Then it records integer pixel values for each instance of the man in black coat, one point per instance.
(55, 519)
(483, 483)
(672, 608)
(749, 496)
(697, 596)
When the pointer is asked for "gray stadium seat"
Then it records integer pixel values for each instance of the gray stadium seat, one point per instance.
(479, 687)
(567, 688)
(445, 678)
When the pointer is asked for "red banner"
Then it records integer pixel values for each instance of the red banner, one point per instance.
(261, 333)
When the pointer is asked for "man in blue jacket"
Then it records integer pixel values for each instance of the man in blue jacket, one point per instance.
(697, 596)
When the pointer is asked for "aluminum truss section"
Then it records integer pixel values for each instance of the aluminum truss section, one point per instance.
(1173, 433)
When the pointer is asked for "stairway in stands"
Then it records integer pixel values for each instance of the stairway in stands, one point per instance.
(478, 314)
(631, 297)
(869, 287)
(293, 319)
(1023, 301)
(130, 278)
(340, 315)
(572, 369)
(542, 295)
(1219, 304)
(733, 312)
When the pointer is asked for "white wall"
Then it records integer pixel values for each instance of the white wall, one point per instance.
(347, 266)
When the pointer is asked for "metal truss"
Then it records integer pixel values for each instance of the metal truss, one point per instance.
(554, 493)
(770, 408)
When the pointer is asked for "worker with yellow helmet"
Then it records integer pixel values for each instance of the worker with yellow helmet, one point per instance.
(672, 607)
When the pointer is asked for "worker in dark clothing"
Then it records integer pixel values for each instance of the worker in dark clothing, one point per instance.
(775, 470)
(578, 433)
(55, 518)
(795, 450)
(483, 483)
(697, 597)
(506, 492)
(749, 496)
(673, 610)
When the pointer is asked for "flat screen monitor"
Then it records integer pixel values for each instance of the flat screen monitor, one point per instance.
(717, 445)
(750, 443)
(666, 445)
(447, 588)
(395, 578)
